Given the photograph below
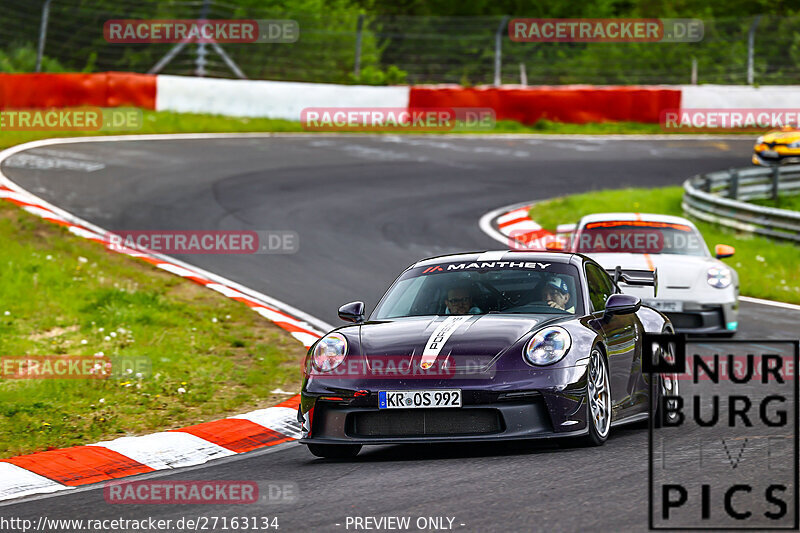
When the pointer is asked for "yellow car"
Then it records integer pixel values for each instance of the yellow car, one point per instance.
(778, 147)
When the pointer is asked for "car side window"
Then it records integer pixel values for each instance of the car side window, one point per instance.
(600, 286)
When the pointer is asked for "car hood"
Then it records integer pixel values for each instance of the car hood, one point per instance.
(471, 335)
(674, 271)
(782, 137)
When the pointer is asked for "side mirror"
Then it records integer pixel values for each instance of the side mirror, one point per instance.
(723, 250)
(352, 312)
(622, 304)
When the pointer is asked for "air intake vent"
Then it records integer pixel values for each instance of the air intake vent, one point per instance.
(424, 422)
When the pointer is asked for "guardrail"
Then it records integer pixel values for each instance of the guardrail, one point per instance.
(716, 197)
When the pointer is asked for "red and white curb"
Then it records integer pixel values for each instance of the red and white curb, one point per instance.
(57, 470)
(512, 224)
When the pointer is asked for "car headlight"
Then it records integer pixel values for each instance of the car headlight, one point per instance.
(719, 277)
(548, 346)
(760, 140)
(329, 352)
(795, 144)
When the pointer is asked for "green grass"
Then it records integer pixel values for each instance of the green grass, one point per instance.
(60, 294)
(165, 122)
(784, 202)
(767, 269)
(168, 122)
(592, 128)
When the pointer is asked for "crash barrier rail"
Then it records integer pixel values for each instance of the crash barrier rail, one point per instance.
(717, 197)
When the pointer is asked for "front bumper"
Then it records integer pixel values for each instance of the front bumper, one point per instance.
(485, 415)
(780, 159)
(705, 319)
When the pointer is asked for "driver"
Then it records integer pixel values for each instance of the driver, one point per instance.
(459, 302)
(556, 294)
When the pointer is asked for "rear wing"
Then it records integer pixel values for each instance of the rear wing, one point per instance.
(640, 278)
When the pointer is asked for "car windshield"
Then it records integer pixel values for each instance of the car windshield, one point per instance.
(481, 288)
(639, 237)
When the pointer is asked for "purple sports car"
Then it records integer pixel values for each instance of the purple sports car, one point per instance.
(484, 346)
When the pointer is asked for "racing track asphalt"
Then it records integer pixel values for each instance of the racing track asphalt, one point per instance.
(364, 208)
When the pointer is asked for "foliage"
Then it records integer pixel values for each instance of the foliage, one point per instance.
(413, 41)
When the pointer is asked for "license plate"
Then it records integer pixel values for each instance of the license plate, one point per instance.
(666, 305)
(418, 399)
(769, 153)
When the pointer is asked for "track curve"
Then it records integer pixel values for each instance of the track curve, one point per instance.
(364, 208)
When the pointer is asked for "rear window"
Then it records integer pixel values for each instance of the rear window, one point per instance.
(639, 237)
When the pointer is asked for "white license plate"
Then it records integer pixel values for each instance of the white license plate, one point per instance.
(666, 305)
(418, 399)
(769, 153)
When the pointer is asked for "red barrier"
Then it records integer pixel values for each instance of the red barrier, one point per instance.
(106, 89)
(577, 104)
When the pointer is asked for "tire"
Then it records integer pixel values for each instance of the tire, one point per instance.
(334, 451)
(598, 400)
(667, 386)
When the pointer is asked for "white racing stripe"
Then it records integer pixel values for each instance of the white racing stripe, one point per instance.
(439, 338)
(306, 338)
(167, 449)
(16, 482)
(525, 225)
(522, 212)
(280, 419)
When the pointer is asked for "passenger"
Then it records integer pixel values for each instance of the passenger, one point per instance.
(556, 294)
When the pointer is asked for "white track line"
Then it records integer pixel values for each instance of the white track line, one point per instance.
(772, 303)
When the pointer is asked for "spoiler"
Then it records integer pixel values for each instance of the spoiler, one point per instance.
(630, 276)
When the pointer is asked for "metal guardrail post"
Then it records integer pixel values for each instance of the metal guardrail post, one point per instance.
(751, 40)
(359, 30)
(733, 186)
(42, 34)
(776, 177)
(200, 61)
(498, 49)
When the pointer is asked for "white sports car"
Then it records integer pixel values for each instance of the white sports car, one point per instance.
(698, 292)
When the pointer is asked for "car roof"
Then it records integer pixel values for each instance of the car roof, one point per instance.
(646, 217)
(498, 255)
